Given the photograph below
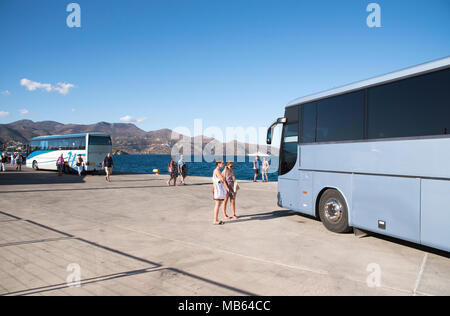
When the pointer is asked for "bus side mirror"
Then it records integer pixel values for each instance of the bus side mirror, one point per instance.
(270, 130)
(269, 135)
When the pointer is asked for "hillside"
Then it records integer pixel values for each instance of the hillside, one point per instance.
(126, 137)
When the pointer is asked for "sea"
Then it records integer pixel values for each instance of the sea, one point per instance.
(145, 164)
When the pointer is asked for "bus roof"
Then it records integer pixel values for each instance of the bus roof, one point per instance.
(68, 136)
(394, 76)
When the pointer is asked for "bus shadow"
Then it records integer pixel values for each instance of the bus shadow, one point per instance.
(12, 177)
(405, 243)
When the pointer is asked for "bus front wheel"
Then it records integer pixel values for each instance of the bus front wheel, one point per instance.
(333, 212)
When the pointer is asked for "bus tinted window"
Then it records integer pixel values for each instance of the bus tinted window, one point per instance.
(341, 118)
(292, 114)
(308, 123)
(99, 140)
(72, 143)
(289, 148)
(416, 106)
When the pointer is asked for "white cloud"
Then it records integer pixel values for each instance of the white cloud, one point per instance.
(130, 119)
(3, 114)
(6, 92)
(33, 85)
(24, 112)
(62, 88)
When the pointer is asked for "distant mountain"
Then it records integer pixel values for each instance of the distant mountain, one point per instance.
(30, 129)
(126, 137)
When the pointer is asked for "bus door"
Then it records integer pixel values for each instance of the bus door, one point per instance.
(288, 181)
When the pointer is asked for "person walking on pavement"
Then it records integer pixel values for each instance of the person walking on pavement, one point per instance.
(60, 163)
(264, 169)
(19, 161)
(182, 169)
(173, 172)
(108, 165)
(4, 162)
(80, 165)
(256, 168)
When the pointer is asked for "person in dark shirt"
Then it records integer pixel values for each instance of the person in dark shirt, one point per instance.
(182, 169)
(108, 165)
(4, 162)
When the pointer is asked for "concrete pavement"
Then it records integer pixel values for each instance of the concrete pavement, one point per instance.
(136, 236)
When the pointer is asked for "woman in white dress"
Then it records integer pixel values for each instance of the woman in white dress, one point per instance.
(220, 190)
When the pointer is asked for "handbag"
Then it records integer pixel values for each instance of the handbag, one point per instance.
(236, 187)
(219, 190)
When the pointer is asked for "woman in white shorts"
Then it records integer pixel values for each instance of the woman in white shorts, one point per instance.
(264, 169)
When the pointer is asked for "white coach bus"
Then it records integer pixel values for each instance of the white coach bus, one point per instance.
(45, 150)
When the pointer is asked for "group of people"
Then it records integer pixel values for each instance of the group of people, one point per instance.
(177, 169)
(225, 189)
(264, 169)
(79, 162)
(16, 159)
(225, 186)
(107, 165)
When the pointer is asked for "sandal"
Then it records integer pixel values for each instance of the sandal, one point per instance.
(219, 223)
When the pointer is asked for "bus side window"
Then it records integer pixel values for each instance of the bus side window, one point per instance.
(308, 123)
(44, 145)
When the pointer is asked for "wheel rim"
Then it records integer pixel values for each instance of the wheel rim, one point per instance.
(34, 165)
(333, 211)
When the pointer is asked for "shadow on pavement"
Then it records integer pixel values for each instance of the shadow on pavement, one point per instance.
(152, 267)
(409, 244)
(263, 216)
(37, 177)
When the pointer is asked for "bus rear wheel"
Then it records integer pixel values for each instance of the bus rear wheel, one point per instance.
(35, 165)
(333, 212)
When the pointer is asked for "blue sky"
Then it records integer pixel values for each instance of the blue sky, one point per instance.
(230, 63)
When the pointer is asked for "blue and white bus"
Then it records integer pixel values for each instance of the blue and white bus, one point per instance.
(373, 155)
(45, 150)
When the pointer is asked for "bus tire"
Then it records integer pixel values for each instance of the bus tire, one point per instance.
(35, 165)
(333, 212)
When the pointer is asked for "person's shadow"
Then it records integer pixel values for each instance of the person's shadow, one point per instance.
(264, 216)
